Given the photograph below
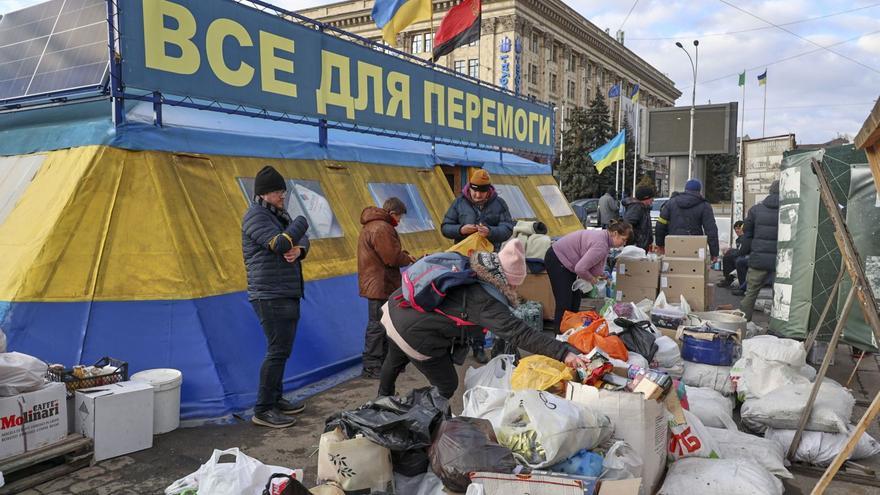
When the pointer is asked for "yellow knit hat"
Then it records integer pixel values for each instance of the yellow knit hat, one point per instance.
(480, 178)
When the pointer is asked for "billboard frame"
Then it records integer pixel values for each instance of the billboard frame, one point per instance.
(731, 110)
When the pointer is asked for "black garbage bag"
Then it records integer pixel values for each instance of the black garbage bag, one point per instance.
(403, 425)
(464, 445)
(638, 337)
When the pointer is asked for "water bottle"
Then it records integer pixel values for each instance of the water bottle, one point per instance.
(489, 340)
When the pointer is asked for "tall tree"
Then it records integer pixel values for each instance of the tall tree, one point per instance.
(719, 177)
(628, 162)
(585, 130)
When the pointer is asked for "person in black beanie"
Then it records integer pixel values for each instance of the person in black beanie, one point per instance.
(274, 245)
(638, 214)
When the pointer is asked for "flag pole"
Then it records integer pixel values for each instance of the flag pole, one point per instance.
(764, 124)
(636, 132)
(619, 123)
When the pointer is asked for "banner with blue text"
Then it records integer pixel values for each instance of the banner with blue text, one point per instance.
(222, 51)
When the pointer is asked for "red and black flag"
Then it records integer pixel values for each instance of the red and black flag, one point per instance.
(460, 26)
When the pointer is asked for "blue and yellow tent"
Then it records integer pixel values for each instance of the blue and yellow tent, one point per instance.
(125, 240)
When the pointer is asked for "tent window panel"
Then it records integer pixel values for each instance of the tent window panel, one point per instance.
(516, 201)
(417, 218)
(555, 200)
(16, 174)
(306, 198)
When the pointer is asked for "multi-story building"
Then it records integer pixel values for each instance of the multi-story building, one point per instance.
(538, 48)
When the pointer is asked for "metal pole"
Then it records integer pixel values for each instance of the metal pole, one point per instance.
(619, 123)
(693, 110)
(636, 132)
(764, 124)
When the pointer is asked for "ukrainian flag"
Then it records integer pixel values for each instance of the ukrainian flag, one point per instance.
(393, 16)
(610, 152)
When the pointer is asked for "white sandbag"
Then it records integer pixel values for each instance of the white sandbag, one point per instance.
(542, 429)
(738, 445)
(494, 374)
(706, 375)
(770, 348)
(755, 377)
(244, 476)
(782, 408)
(714, 409)
(621, 462)
(423, 484)
(675, 372)
(821, 448)
(808, 372)
(636, 359)
(690, 439)
(697, 476)
(486, 403)
(668, 354)
(20, 373)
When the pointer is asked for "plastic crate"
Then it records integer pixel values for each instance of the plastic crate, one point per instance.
(74, 383)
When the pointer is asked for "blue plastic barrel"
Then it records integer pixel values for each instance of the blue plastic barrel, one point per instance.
(720, 351)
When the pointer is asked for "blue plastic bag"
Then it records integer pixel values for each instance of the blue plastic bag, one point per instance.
(584, 463)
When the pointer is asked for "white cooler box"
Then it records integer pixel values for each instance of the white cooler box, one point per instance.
(118, 417)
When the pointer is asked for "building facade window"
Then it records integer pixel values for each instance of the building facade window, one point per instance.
(474, 68)
(589, 71)
(553, 83)
(587, 95)
(458, 66)
(429, 42)
(533, 73)
(553, 52)
(601, 78)
(572, 62)
(416, 43)
(533, 46)
(571, 90)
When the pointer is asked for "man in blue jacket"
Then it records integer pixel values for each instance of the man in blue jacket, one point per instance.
(688, 213)
(478, 209)
(274, 246)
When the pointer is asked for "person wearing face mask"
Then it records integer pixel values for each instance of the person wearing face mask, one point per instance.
(581, 254)
(273, 246)
(480, 210)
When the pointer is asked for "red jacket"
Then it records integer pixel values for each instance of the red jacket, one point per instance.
(379, 255)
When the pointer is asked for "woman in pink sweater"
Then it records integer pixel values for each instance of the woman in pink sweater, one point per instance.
(581, 254)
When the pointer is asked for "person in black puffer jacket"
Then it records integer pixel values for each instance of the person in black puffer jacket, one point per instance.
(274, 246)
(688, 213)
(638, 214)
(759, 243)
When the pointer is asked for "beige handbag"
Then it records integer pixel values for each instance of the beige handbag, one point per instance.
(355, 464)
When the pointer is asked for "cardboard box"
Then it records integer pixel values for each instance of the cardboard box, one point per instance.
(33, 420)
(692, 287)
(687, 246)
(672, 333)
(536, 287)
(641, 423)
(635, 294)
(683, 266)
(632, 273)
(620, 487)
(118, 417)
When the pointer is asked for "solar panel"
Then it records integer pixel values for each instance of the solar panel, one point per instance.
(53, 46)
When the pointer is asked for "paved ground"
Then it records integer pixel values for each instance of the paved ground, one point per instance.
(179, 453)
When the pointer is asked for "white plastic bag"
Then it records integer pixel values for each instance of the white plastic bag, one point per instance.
(356, 463)
(244, 476)
(494, 374)
(782, 409)
(738, 445)
(696, 476)
(486, 403)
(706, 375)
(668, 354)
(690, 439)
(820, 448)
(713, 409)
(422, 484)
(621, 462)
(20, 373)
(636, 359)
(632, 252)
(558, 426)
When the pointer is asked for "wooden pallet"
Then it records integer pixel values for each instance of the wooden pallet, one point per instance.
(38, 466)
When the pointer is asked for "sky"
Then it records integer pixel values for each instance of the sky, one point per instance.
(811, 91)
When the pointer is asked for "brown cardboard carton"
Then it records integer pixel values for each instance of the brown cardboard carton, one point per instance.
(536, 287)
(633, 273)
(635, 294)
(692, 287)
(687, 246)
(683, 266)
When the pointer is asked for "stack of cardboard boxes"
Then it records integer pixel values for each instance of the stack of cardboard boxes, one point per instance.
(684, 271)
(637, 279)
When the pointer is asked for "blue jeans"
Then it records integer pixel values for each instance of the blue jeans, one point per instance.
(278, 317)
(742, 268)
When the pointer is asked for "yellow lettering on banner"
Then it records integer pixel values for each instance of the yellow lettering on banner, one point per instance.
(373, 72)
(471, 110)
(454, 99)
(271, 64)
(505, 120)
(534, 119)
(521, 124)
(544, 133)
(488, 117)
(157, 37)
(435, 91)
(398, 87)
(325, 95)
(217, 32)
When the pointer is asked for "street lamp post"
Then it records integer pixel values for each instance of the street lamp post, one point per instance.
(693, 102)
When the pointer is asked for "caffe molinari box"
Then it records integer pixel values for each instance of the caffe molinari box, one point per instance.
(32, 420)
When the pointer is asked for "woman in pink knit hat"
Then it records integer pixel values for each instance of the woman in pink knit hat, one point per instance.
(428, 339)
